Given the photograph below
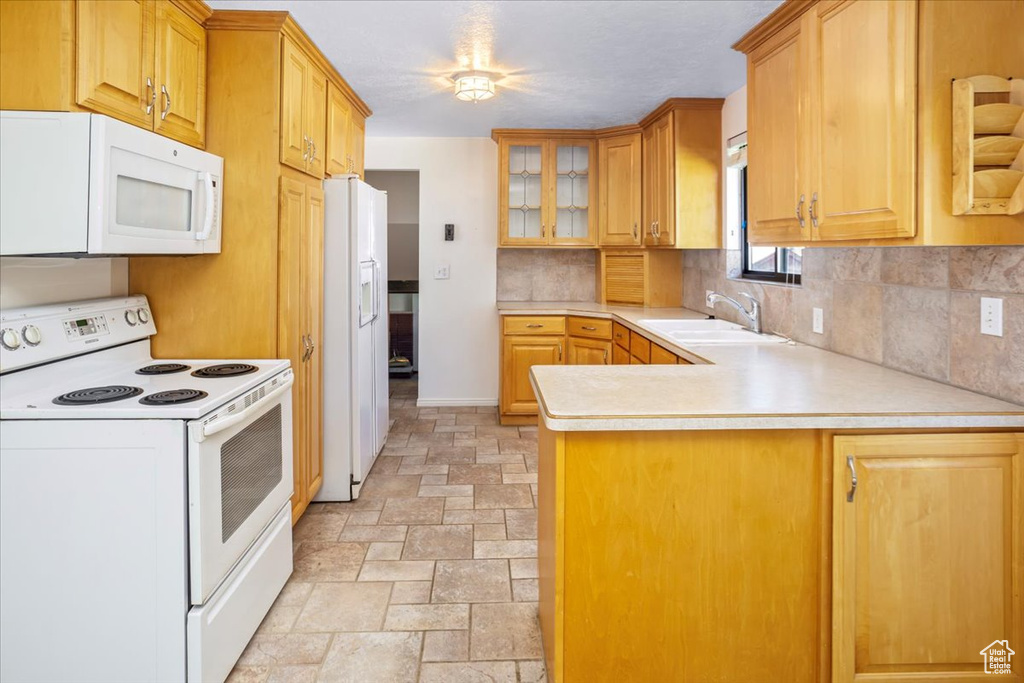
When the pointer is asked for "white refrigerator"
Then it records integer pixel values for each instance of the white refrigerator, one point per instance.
(355, 341)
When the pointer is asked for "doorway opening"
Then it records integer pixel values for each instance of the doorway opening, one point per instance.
(403, 188)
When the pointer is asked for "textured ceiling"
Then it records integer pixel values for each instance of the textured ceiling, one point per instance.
(569, 63)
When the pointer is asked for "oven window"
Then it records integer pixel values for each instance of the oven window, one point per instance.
(250, 468)
(144, 204)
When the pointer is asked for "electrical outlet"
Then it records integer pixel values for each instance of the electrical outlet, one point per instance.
(992, 316)
(818, 324)
(441, 272)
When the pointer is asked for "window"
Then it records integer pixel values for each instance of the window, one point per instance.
(757, 262)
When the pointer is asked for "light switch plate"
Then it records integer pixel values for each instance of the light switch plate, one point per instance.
(818, 324)
(992, 316)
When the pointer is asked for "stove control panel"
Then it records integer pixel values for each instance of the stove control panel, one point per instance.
(30, 336)
(76, 328)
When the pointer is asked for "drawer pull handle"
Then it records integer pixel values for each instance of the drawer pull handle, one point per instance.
(853, 479)
(591, 329)
(534, 325)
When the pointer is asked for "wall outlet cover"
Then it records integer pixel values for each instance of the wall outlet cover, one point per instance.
(442, 272)
(992, 316)
(818, 323)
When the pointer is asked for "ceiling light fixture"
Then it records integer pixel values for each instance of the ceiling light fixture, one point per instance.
(474, 86)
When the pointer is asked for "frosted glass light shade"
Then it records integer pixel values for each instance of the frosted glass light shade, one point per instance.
(473, 86)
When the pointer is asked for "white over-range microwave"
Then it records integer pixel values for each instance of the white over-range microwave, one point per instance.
(81, 184)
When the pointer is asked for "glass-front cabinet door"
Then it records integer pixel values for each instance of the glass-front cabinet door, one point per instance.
(547, 193)
(523, 205)
(575, 191)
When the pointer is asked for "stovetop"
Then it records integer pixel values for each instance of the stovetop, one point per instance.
(108, 384)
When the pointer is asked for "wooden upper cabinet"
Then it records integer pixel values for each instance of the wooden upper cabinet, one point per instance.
(862, 105)
(180, 68)
(294, 78)
(619, 176)
(339, 122)
(522, 196)
(777, 207)
(682, 175)
(547, 192)
(357, 142)
(832, 102)
(927, 555)
(573, 191)
(114, 52)
(315, 113)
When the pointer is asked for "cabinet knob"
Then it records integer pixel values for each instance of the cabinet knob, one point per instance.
(534, 325)
(305, 147)
(588, 327)
(152, 95)
(635, 235)
(853, 479)
(811, 209)
(800, 210)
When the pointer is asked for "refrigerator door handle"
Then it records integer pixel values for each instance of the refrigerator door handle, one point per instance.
(377, 299)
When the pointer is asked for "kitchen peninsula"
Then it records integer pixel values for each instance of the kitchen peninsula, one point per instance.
(734, 513)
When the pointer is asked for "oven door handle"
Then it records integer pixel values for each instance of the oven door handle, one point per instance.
(211, 428)
(207, 179)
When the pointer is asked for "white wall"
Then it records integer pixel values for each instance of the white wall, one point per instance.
(458, 329)
(34, 281)
(734, 122)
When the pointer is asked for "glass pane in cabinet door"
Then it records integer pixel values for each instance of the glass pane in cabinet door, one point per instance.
(524, 191)
(572, 191)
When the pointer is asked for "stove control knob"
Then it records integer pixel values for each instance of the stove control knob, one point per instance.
(31, 335)
(143, 316)
(131, 318)
(9, 339)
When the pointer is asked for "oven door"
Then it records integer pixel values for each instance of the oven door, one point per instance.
(151, 195)
(239, 477)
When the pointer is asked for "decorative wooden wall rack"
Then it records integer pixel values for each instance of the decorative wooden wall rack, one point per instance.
(988, 145)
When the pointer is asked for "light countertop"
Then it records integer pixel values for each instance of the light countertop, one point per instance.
(745, 386)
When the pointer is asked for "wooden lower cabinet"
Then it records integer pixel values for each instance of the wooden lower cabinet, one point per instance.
(519, 353)
(928, 555)
(582, 351)
(300, 315)
(734, 556)
(620, 356)
(662, 356)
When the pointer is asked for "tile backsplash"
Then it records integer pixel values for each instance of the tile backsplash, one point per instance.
(914, 309)
(547, 274)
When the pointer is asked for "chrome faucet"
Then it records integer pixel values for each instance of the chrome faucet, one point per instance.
(753, 316)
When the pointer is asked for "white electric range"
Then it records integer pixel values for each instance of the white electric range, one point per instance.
(145, 518)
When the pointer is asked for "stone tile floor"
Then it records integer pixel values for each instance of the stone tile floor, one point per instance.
(431, 576)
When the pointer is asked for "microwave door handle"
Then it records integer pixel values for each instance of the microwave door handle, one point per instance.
(211, 428)
(207, 179)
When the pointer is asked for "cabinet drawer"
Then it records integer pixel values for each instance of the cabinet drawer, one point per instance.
(620, 333)
(639, 347)
(595, 328)
(530, 324)
(662, 356)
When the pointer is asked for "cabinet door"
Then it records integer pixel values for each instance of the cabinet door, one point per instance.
(927, 557)
(292, 318)
(180, 76)
(313, 286)
(339, 118)
(863, 90)
(315, 114)
(662, 356)
(357, 143)
(518, 356)
(774, 208)
(582, 351)
(665, 177)
(573, 189)
(294, 79)
(521, 194)
(115, 59)
(651, 187)
(620, 356)
(619, 178)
